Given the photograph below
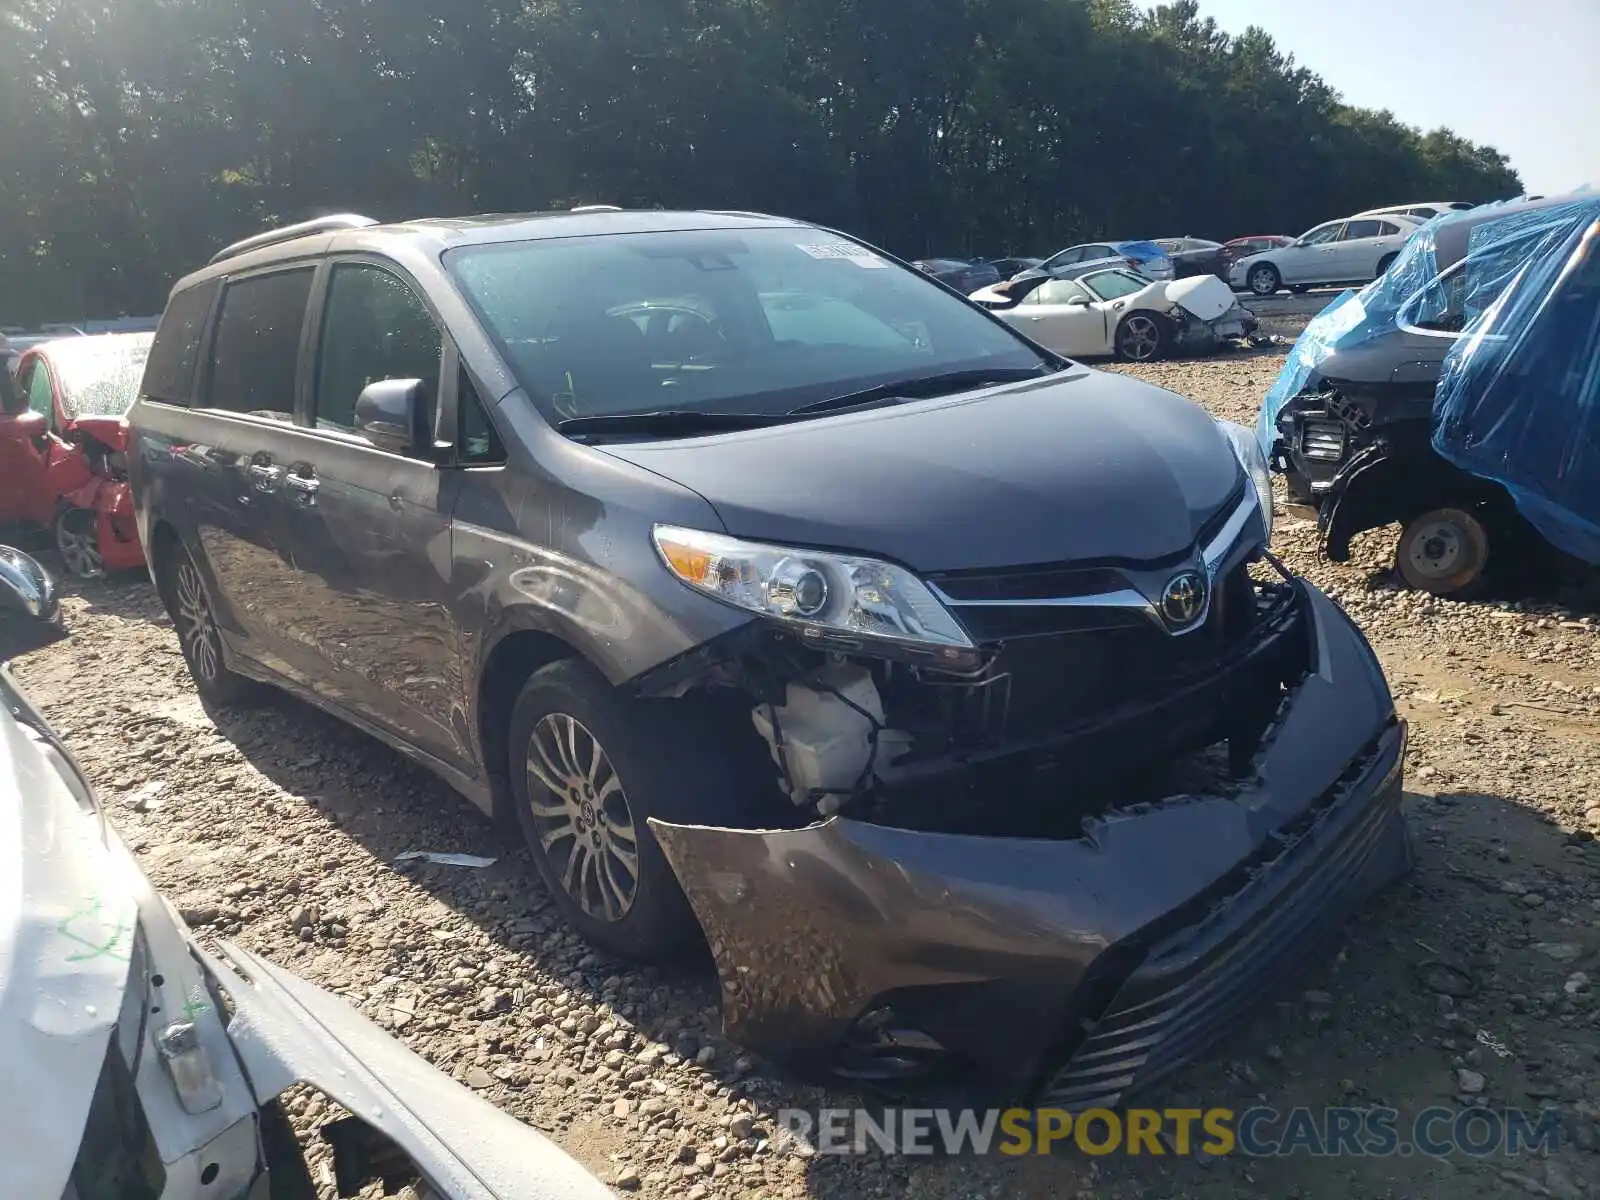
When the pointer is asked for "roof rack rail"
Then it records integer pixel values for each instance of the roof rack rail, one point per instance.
(288, 233)
(594, 208)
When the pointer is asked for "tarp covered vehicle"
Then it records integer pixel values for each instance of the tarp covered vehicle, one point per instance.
(1454, 395)
(135, 1065)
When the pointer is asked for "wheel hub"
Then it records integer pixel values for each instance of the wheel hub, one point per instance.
(1437, 549)
(582, 817)
(196, 629)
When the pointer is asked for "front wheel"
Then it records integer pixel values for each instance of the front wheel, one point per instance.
(1264, 279)
(78, 543)
(589, 768)
(1444, 552)
(1142, 337)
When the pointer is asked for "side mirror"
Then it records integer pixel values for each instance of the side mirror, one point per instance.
(30, 424)
(392, 413)
(1077, 301)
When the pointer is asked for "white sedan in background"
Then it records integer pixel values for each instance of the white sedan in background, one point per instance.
(1117, 312)
(1349, 250)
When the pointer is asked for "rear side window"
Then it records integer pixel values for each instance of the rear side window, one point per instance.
(373, 328)
(169, 371)
(1388, 228)
(257, 346)
(1361, 229)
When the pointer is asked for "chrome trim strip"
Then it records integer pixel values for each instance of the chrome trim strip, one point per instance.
(1122, 598)
(1217, 549)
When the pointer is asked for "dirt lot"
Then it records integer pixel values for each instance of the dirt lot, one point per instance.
(278, 827)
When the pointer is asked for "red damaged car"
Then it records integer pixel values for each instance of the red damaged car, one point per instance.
(63, 448)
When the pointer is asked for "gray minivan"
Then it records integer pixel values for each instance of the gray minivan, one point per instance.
(784, 599)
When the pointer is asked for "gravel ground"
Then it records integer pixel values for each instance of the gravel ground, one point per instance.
(278, 827)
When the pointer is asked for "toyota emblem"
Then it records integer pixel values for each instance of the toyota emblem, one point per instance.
(1184, 599)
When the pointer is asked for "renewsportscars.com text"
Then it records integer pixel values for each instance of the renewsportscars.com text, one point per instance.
(1260, 1132)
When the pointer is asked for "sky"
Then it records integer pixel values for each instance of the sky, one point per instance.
(1521, 75)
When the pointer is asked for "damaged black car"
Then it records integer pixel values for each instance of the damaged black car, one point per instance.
(944, 687)
(1350, 422)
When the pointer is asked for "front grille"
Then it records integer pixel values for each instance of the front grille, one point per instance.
(1262, 927)
(1057, 680)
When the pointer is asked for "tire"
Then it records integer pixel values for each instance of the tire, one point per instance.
(1142, 337)
(653, 760)
(77, 538)
(1384, 264)
(1444, 552)
(188, 603)
(1263, 279)
(1298, 289)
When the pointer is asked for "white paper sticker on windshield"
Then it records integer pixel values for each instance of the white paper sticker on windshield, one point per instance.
(859, 255)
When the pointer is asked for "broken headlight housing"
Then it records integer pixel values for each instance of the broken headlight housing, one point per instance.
(834, 601)
(1248, 451)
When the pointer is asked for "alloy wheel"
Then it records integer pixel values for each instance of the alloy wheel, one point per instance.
(1263, 282)
(78, 544)
(197, 628)
(1140, 339)
(582, 817)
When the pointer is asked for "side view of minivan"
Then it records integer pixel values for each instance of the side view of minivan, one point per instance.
(784, 601)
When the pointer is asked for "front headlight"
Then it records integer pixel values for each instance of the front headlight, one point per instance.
(837, 601)
(1248, 451)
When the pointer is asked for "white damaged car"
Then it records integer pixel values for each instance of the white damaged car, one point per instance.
(1114, 311)
(136, 1066)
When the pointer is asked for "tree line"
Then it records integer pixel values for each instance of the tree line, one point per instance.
(138, 136)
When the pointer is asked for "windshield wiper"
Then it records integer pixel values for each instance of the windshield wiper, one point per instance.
(926, 387)
(667, 421)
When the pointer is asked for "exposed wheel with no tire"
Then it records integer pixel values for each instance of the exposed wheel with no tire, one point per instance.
(1264, 279)
(1445, 552)
(1142, 337)
(193, 614)
(589, 767)
(78, 542)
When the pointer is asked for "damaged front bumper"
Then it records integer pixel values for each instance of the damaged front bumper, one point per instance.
(1076, 970)
(1192, 335)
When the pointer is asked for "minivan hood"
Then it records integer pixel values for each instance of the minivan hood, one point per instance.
(1083, 465)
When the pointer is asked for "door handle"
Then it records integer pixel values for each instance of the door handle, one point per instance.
(265, 477)
(302, 487)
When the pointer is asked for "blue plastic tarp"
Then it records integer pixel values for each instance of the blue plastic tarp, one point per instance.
(1518, 400)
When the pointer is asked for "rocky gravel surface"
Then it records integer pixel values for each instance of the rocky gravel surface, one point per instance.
(1472, 983)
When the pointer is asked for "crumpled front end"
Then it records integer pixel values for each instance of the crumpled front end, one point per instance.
(1078, 962)
(1205, 315)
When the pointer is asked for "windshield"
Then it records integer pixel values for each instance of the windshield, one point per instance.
(1113, 285)
(754, 321)
(100, 375)
(1441, 305)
